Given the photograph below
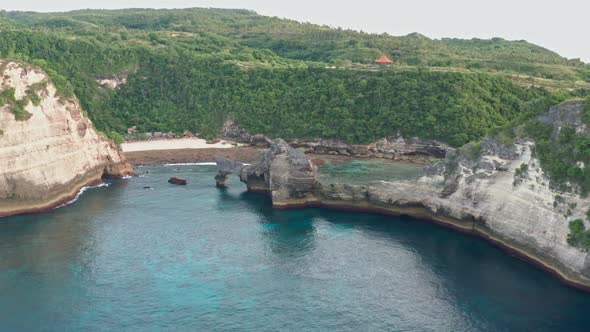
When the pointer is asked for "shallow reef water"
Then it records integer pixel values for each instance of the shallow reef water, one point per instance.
(364, 171)
(195, 258)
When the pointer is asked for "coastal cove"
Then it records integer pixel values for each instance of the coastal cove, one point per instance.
(115, 259)
(387, 170)
(215, 169)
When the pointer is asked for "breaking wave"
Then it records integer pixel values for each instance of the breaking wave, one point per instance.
(81, 192)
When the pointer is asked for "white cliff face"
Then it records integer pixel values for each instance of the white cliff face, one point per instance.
(491, 197)
(523, 212)
(49, 157)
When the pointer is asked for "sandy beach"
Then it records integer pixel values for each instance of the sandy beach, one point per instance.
(173, 144)
(184, 150)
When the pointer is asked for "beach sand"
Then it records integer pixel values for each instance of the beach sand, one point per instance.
(173, 144)
(190, 150)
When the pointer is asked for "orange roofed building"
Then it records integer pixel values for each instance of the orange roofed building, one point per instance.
(383, 60)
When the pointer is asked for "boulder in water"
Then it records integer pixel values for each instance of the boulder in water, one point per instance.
(177, 181)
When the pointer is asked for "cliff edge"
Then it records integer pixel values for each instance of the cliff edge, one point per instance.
(495, 190)
(48, 148)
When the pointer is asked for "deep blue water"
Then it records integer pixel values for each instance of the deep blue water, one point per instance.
(196, 258)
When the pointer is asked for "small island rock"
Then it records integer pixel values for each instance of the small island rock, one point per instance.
(177, 181)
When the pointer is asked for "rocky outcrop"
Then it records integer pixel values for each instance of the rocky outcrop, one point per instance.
(112, 82)
(493, 190)
(394, 147)
(50, 154)
(479, 196)
(567, 114)
(233, 132)
(287, 175)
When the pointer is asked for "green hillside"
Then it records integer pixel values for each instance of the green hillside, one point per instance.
(193, 68)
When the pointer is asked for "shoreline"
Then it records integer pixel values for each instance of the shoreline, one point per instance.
(93, 178)
(470, 228)
(248, 154)
(177, 156)
(244, 154)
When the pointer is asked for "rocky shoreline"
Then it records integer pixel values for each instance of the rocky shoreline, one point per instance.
(397, 148)
(159, 157)
(481, 194)
(62, 196)
(465, 227)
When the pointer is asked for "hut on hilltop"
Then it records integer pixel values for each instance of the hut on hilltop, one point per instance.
(383, 60)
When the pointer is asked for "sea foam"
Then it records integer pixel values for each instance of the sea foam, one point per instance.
(82, 190)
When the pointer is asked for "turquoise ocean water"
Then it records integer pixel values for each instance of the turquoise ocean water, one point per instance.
(195, 258)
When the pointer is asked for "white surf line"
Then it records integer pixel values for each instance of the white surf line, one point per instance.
(195, 164)
(82, 190)
(191, 164)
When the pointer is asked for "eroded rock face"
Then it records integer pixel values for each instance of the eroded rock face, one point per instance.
(284, 173)
(225, 167)
(112, 82)
(397, 145)
(494, 190)
(394, 147)
(235, 133)
(47, 159)
(486, 191)
(566, 114)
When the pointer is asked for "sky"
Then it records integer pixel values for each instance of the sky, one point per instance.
(562, 26)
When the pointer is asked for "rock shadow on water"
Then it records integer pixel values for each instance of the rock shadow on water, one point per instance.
(286, 233)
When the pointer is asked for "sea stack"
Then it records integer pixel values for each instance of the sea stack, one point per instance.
(285, 174)
(49, 149)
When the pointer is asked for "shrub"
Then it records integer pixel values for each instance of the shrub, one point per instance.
(578, 237)
(115, 137)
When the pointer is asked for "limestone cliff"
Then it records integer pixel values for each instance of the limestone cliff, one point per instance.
(488, 197)
(494, 190)
(48, 148)
(497, 191)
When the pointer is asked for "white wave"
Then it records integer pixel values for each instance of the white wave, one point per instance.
(126, 177)
(82, 190)
(191, 164)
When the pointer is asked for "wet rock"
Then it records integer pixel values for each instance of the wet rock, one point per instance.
(221, 179)
(177, 181)
(283, 172)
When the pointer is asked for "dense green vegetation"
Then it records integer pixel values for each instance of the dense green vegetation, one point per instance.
(192, 69)
(563, 154)
(579, 236)
(293, 40)
(315, 102)
(562, 157)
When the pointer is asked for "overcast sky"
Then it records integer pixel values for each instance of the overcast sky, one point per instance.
(562, 26)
